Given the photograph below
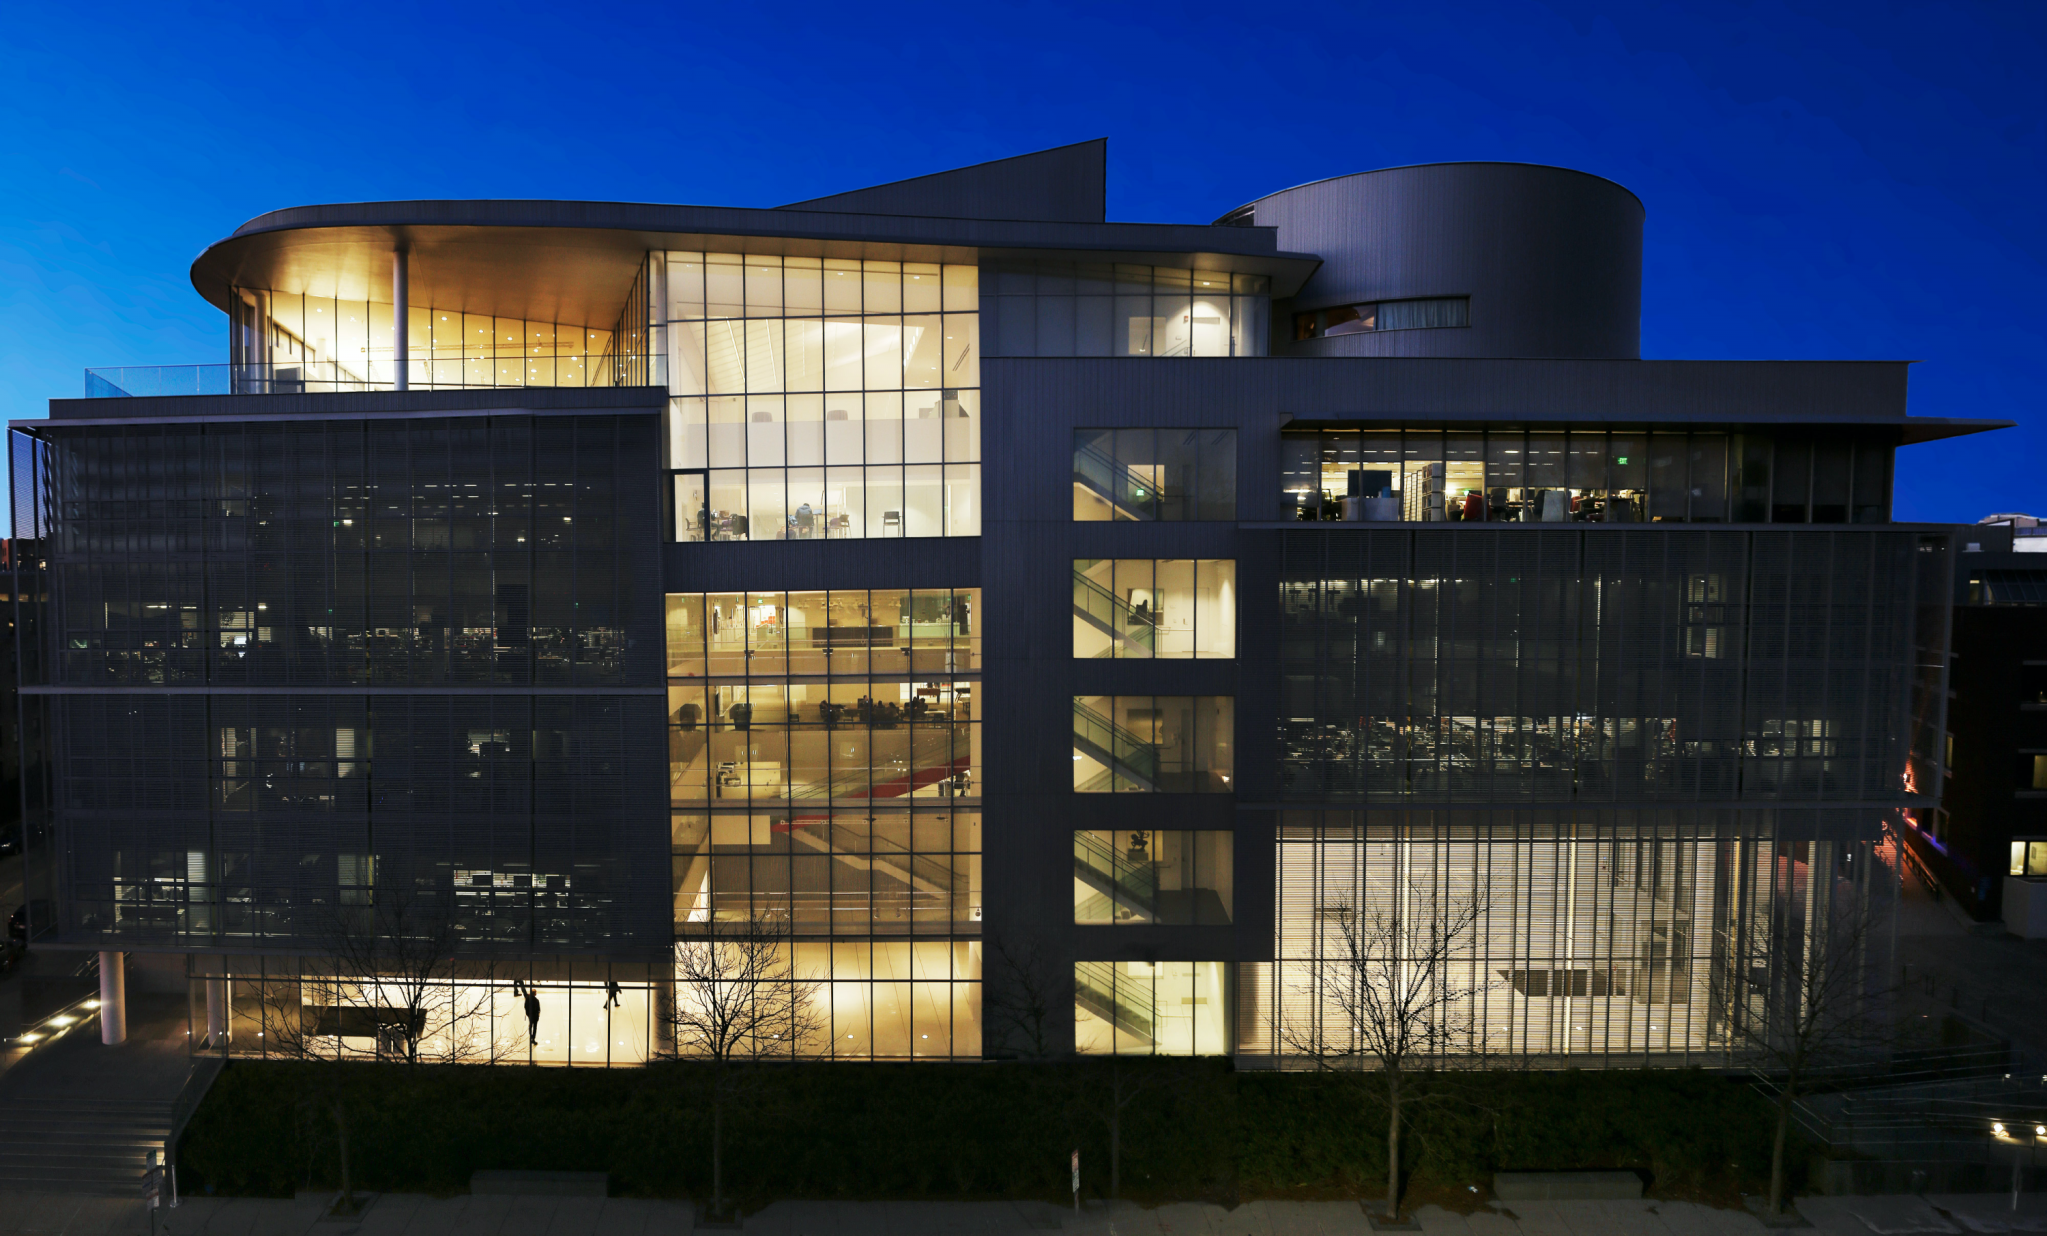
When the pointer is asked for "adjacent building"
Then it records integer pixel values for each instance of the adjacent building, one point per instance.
(998, 599)
(1986, 844)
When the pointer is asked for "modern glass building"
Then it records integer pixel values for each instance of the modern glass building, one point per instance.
(1005, 603)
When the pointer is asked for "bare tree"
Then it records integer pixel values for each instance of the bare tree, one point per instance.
(393, 974)
(383, 984)
(1025, 1002)
(1394, 990)
(738, 1002)
(1812, 997)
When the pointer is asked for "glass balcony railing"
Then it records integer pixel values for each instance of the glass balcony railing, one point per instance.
(326, 377)
(150, 380)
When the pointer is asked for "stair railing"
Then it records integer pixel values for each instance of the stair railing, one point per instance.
(1106, 609)
(1125, 748)
(1132, 492)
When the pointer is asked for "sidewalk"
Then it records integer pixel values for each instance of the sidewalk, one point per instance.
(414, 1215)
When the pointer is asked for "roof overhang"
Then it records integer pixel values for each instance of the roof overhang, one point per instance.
(1919, 429)
(574, 261)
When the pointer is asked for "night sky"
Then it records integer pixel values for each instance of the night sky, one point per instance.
(1823, 181)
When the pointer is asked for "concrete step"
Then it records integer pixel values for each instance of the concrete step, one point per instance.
(119, 1147)
(46, 1120)
(92, 1146)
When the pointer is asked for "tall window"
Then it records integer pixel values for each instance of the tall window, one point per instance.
(287, 343)
(1147, 1008)
(1580, 476)
(822, 398)
(1141, 608)
(1096, 309)
(1168, 475)
(824, 771)
(1170, 744)
(1174, 877)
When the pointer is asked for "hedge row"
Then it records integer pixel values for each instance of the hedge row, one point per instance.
(1196, 1130)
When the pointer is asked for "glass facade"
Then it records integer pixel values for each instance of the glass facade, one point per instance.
(464, 551)
(1151, 1008)
(1099, 309)
(1144, 608)
(1170, 475)
(821, 398)
(1581, 476)
(590, 1013)
(1156, 744)
(1601, 936)
(1174, 877)
(824, 769)
(253, 625)
(288, 343)
(1671, 666)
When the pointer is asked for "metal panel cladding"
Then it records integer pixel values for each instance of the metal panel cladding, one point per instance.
(1551, 258)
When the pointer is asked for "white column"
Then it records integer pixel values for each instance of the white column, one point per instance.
(260, 370)
(113, 999)
(401, 295)
(216, 1014)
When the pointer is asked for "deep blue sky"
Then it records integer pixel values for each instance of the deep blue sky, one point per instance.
(1854, 180)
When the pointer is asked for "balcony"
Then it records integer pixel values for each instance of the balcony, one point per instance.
(325, 377)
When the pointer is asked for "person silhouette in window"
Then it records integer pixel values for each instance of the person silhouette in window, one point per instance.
(612, 995)
(532, 1017)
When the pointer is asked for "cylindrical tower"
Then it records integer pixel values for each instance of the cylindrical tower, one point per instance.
(1550, 259)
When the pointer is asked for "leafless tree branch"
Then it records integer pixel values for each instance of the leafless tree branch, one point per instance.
(739, 1001)
(1388, 997)
(1025, 999)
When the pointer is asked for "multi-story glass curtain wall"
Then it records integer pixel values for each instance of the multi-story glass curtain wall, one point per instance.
(1582, 476)
(1100, 309)
(822, 398)
(1595, 936)
(1617, 666)
(825, 759)
(467, 551)
(252, 624)
(292, 343)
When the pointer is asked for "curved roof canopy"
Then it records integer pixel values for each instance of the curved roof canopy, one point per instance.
(574, 261)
